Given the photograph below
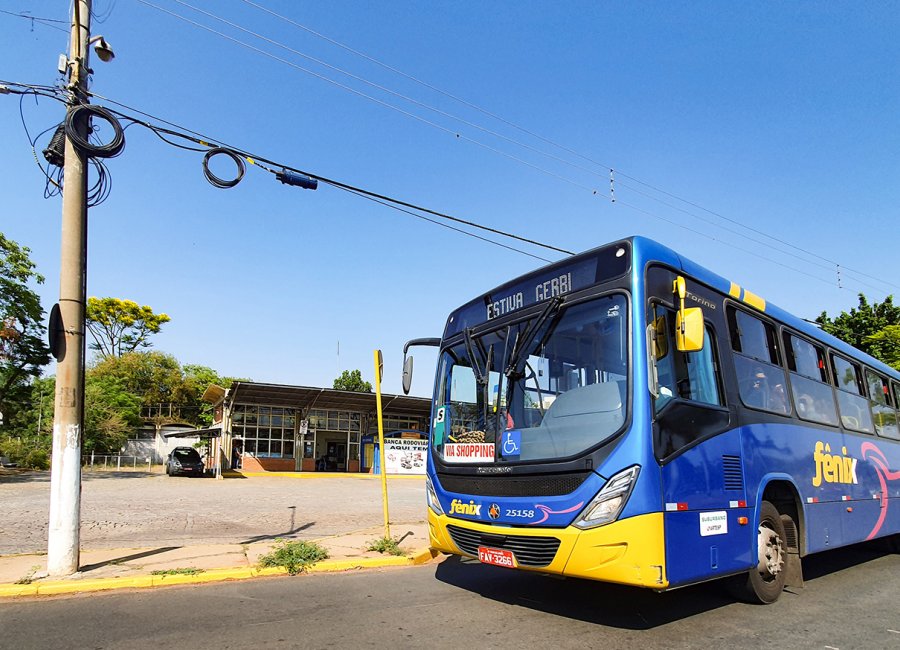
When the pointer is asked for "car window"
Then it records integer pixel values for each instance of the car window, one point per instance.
(188, 454)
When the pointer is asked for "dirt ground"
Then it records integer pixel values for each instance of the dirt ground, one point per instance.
(130, 509)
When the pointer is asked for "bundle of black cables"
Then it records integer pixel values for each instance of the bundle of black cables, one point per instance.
(85, 112)
(215, 180)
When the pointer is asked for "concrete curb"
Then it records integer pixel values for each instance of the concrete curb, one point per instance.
(77, 585)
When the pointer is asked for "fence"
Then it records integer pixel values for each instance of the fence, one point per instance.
(118, 462)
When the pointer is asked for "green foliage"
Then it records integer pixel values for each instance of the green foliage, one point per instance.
(111, 412)
(198, 379)
(352, 380)
(22, 333)
(870, 328)
(385, 545)
(186, 571)
(293, 556)
(155, 377)
(120, 326)
(888, 341)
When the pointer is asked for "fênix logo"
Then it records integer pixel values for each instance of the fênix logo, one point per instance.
(457, 507)
(833, 468)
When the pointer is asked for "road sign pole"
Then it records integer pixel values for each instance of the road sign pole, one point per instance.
(379, 369)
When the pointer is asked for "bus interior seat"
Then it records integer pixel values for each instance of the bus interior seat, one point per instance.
(576, 420)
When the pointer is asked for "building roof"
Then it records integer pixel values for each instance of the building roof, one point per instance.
(307, 397)
(213, 432)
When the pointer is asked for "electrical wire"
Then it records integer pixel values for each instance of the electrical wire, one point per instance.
(831, 262)
(204, 140)
(394, 203)
(408, 208)
(214, 180)
(381, 102)
(44, 22)
(86, 112)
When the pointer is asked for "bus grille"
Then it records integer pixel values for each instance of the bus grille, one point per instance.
(519, 486)
(733, 474)
(529, 551)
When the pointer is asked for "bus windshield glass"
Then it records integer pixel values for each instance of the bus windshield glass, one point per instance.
(546, 388)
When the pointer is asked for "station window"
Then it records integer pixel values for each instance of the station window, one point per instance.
(267, 431)
(761, 379)
(852, 404)
(810, 389)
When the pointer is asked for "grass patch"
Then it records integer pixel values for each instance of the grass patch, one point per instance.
(29, 577)
(188, 571)
(385, 545)
(293, 556)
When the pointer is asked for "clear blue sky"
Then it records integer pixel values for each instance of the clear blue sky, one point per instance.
(778, 115)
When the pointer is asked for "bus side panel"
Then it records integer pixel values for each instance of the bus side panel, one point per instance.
(703, 498)
(693, 554)
(838, 478)
(875, 510)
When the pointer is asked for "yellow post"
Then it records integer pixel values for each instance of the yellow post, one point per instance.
(379, 369)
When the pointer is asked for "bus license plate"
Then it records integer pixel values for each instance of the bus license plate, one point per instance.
(497, 557)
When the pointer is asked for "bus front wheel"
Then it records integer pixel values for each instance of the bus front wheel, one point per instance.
(764, 583)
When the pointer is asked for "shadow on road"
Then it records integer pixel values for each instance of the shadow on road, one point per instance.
(601, 603)
(129, 558)
(289, 533)
(627, 608)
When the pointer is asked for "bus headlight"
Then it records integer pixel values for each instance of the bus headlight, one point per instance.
(431, 496)
(608, 504)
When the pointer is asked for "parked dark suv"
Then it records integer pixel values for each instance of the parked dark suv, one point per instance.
(184, 460)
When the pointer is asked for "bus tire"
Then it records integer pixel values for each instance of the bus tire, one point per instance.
(764, 583)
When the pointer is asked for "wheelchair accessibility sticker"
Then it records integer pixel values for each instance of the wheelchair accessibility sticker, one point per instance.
(512, 444)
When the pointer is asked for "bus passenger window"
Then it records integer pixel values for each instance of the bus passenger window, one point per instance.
(761, 379)
(813, 395)
(884, 416)
(853, 406)
(690, 376)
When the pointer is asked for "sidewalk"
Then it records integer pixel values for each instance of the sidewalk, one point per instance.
(190, 563)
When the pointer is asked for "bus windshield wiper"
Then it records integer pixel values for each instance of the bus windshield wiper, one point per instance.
(480, 375)
(519, 350)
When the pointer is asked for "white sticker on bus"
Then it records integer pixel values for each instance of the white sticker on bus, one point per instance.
(469, 452)
(713, 523)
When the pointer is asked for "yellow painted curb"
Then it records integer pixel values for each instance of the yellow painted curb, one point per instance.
(312, 475)
(11, 590)
(213, 575)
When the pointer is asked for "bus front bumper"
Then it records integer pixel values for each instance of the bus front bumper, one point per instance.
(629, 552)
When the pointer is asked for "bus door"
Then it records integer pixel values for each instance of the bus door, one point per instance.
(694, 440)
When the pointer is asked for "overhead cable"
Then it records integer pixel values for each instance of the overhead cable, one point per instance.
(832, 263)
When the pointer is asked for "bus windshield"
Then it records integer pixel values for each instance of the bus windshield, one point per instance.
(546, 388)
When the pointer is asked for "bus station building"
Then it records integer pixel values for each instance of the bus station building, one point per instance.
(281, 428)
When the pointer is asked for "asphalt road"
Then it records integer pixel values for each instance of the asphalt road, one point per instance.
(851, 600)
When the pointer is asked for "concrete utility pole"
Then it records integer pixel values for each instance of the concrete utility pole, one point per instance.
(63, 545)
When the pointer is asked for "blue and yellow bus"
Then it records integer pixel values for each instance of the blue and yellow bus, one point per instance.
(625, 415)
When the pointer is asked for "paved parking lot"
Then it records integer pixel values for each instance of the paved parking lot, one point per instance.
(130, 509)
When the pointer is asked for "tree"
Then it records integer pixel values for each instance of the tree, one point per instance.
(121, 326)
(352, 380)
(198, 379)
(22, 349)
(110, 413)
(888, 340)
(870, 328)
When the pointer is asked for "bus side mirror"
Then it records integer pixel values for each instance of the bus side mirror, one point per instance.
(688, 321)
(407, 374)
(689, 329)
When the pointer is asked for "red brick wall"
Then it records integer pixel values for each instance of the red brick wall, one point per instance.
(251, 464)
